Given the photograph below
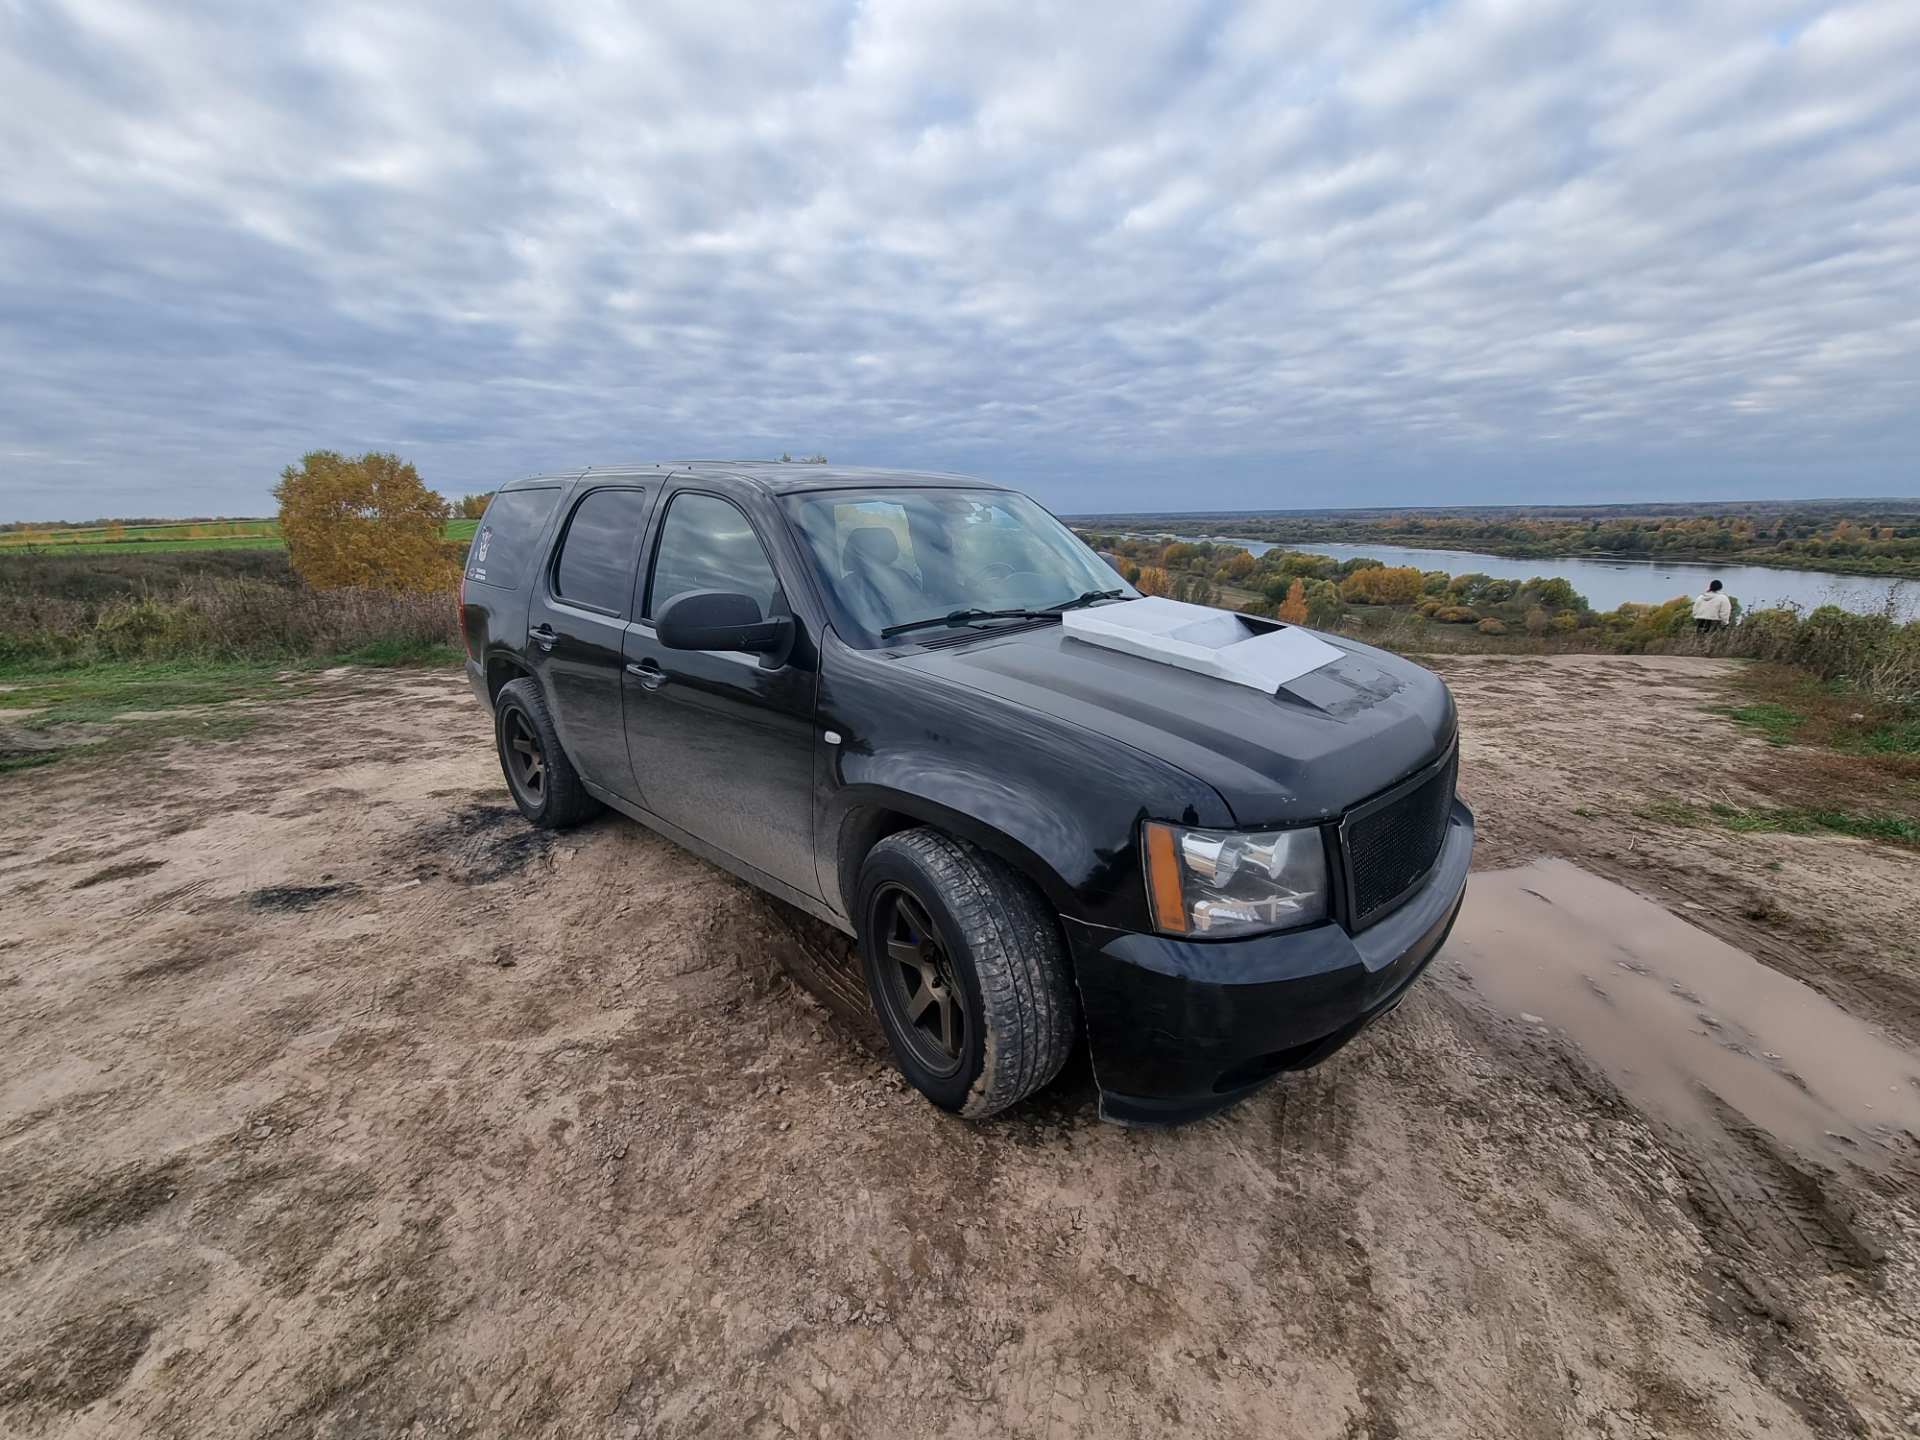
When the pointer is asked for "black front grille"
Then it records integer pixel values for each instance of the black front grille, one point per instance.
(1391, 843)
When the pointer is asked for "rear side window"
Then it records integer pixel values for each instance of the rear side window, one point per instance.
(503, 545)
(707, 544)
(603, 543)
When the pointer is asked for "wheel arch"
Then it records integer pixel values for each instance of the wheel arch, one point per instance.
(503, 670)
(869, 814)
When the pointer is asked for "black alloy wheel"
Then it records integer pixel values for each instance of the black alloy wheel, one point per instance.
(540, 777)
(525, 761)
(967, 971)
(918, 982)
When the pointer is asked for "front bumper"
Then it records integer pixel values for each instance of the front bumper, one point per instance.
(1179, 1029)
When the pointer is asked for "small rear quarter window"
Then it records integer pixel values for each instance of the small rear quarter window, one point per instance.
(503, 545)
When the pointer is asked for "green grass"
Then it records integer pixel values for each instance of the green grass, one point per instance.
(1789, 820)
(149, 547)
(179, 700)
(97, 693)
(1900, 738)
(1793, 708)
(1780, 725)
(206, 535)
(157, 539)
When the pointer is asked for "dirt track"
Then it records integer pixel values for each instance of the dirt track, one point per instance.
(334, 1101)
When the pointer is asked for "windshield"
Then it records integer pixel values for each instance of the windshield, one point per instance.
(890, 558)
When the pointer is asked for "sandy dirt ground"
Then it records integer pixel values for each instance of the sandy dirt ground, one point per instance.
(336, 1102)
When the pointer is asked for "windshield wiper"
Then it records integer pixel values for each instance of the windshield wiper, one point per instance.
(963, 617)
(1089, 597)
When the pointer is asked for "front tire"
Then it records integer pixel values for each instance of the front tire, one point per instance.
(969, 978)
(540, 777)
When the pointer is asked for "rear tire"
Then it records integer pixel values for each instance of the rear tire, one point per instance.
(540, 777)
(969, 978)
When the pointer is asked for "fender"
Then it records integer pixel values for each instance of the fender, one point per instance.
(1004, 777)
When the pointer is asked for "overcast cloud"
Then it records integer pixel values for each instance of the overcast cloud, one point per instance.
(1153, 255)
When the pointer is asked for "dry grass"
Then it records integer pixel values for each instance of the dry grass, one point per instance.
(1867, 660)
(220, 620)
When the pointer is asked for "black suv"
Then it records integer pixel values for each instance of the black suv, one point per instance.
(918, 707)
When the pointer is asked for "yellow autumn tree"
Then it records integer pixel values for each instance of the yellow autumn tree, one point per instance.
(1153, 581)
(367, 524)
(1293, 609)
(1384, 585)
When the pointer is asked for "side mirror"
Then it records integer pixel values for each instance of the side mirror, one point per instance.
(721, 620)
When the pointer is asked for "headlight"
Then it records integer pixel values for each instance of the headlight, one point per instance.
(1234, 882)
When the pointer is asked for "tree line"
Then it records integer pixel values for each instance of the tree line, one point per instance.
(1853, 542)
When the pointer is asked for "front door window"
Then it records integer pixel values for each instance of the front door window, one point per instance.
(707, 544)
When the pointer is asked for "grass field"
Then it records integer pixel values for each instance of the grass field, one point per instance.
(151, 539)
(114, 707)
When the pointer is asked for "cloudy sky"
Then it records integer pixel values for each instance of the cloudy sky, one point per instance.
(1161, 255)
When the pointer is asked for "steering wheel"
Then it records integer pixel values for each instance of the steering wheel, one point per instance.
(999, 570)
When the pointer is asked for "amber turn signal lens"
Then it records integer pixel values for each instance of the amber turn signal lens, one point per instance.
(1163, 880)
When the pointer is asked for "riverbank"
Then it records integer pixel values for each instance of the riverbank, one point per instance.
(1891, 567)
(1875, 539)
(1600, 587)
(1609, 583)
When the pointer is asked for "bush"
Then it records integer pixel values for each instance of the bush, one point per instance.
(364, 524)
(1299, 564)
(222, 620)
(1456, 615)
(1553, 593)
(1491, 626)
(1835, 644)
(1153, 581)
(1324, 604)
(1383, 585)
(1637, 625)
(100, 578)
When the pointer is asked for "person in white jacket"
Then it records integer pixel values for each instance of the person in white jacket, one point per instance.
(1711, 609)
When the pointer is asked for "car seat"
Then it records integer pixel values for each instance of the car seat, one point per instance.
(869, 554)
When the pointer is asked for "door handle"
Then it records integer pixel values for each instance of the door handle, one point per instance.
(650, 675)
(543, 636)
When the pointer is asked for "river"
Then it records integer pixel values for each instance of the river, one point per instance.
(1608, 584)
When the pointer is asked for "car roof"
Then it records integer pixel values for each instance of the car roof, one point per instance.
(781, 476)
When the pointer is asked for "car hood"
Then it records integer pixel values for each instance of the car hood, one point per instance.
(1318, 745)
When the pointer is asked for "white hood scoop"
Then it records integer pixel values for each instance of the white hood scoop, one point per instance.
(1203, 640)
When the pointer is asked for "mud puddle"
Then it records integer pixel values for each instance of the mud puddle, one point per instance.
(1686, 1025)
